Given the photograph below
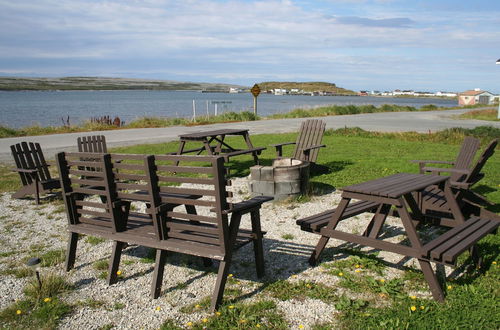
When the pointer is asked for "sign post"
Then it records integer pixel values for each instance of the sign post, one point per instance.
(255, 90)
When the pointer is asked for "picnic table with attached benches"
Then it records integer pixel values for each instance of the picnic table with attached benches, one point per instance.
(395, 195)
(214, 144)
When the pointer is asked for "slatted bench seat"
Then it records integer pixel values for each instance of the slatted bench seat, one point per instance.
(315, 222)
(446, 248)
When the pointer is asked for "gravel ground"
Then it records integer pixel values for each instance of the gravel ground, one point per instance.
(32, 229)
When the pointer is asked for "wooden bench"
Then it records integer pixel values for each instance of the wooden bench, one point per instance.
(315, 222)
(446, 248)
(209, 227)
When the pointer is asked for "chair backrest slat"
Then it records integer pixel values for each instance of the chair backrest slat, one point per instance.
(310, 134)
(475, 173)
(89, 198)
(92, 143)
(465, 156)
(197, 181)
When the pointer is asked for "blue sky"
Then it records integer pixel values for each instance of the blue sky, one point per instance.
(357, 44)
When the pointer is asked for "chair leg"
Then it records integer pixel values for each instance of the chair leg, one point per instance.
(161, 257)
(115, 262)
(432, 280)
(220, 284)
(257, 243)
(71, 251)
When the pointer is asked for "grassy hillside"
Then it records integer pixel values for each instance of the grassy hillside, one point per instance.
(306, 86)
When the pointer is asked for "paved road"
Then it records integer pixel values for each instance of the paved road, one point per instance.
(382, 122)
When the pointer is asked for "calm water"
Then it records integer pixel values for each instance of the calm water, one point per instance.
(18, 109)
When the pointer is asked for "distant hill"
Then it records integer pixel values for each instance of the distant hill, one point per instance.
(100, 83)
(306, 86)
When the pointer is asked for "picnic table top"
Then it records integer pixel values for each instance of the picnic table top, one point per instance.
(397, 185)
(204, 134)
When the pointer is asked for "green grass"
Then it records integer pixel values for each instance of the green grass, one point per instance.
(41, 308)
(491, 114)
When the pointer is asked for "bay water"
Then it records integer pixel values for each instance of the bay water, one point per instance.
(48, 108)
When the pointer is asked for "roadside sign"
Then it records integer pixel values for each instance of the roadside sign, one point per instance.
(255, 90)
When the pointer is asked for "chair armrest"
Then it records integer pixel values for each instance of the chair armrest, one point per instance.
(282, 144)
(445, 170)
(279, 147)
(460, 185)
(22, 170)
(314, 147)
(432, 162)
(248, 205)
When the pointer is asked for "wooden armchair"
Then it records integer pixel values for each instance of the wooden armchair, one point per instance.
(470, 202)
(469, 148)
(92, 143)
(308, 142)
(33, 170)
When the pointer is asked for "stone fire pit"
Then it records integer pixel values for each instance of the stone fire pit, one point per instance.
(286, 177)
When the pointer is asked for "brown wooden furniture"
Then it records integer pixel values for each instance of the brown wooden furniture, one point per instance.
(397, 191)
(434, 205)
(469, 148)
(92, 143)
(308, 141)
(209, 227)
(33, 170)
(214, 144)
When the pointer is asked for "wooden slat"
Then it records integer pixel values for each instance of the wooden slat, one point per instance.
(184, 169)
(82, 172)
(187, 216)
(89, 191)
(199, 238)
(130, 167)
(189, 228)
(187, 191)
(206, 181)
(186, 201)
(94, 213)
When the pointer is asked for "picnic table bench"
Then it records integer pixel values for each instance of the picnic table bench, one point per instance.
(208, 138)
(395, 195)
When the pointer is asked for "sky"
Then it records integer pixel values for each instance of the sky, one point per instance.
(432, 45)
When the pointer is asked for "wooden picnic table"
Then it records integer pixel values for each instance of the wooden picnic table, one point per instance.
(214, 143)
(395, 195)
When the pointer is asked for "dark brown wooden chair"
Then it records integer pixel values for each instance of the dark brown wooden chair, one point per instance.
(308, 141)
(33, 170)
(470, 202)
(92, 143)
(469, 148)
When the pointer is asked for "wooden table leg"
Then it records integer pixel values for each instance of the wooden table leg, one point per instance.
(332, 224)
(432, 280)
(180, 150)
(377, 221)
(246, 136)
(452, 203)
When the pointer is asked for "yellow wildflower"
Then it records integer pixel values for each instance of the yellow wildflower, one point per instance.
(230, 275)
(189, 324)
(301, 326)
(197, 306)
(413, 297)
(357, 266)
(47, 299)
(308, 286)
(449, 287)
(494, 262)
(341, 274)
(158, 308)
(205, 320)
(382, 280)
(358, 270)
(257, 325)
(422, 307)
(217, 313)
(413, 308)
(243, 321)
(294, 276)
(230, 306)
(119, 272)
(18, 312)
